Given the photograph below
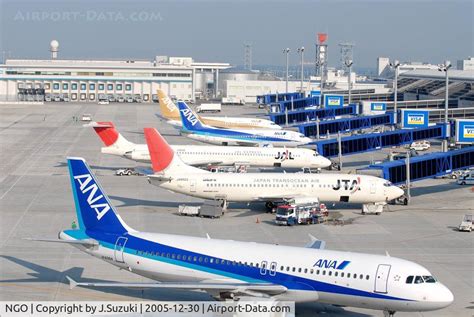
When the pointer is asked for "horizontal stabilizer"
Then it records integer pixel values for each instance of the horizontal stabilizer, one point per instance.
(94, 124)
(84, 242)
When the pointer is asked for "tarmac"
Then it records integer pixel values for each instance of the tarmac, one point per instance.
(36, 201)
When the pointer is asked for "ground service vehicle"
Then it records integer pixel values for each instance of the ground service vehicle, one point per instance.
(289, 214)
(466, 178)
(209, 107)
(467, 223)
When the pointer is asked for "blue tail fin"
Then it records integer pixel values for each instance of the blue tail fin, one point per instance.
(93, 208)
(190, 120)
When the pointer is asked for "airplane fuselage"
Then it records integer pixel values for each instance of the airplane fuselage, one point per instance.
(333, 277)
(253, 156)
(249, 187)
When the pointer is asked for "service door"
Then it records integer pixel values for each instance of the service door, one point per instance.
(192, 185)
(381, 278)
(373, 187)
(119, 248)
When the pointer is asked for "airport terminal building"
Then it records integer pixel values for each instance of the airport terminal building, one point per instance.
(114, 80)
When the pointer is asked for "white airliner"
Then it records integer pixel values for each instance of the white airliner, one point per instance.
(202, 155)
(171, 114)
(235, 270)
(171, 173)
(195, 129)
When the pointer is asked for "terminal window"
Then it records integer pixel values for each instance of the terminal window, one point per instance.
(65, 86)
(101, 86)
(74, 86)
(55, 86)
(83, 87)
(110, 86)
(128, 87)
(92, 86)
(119, 86)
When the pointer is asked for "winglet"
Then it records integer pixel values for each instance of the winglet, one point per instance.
(72, 283)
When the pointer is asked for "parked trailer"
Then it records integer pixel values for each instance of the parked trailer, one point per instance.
(209, 107)
(288, 214)
(209, 209)
(232, 101)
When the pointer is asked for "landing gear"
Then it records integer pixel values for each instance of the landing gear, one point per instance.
(269, 206)
(224, 204)
(389, 313)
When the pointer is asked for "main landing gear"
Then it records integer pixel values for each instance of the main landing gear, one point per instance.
(389, 313)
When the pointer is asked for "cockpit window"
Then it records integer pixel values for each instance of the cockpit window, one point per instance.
(418, 280)
(388, 184)
(429, 279)
(409, 279)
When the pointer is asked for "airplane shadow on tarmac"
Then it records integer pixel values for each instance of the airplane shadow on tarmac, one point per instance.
(42, 274)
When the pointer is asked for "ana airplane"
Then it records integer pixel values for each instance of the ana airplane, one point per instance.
(243, 270)
(195, 129)
(171, 114)
(171, 173)
(202, 155)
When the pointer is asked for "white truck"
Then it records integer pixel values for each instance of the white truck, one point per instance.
(291, 213)
(232, 101)
(209, 107)
(467, 223)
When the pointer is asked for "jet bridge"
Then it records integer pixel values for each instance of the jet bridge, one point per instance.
(376, 141)
(345, 124)
(423, 166)
(306, 115)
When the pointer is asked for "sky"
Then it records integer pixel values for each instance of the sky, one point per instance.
(215, 31)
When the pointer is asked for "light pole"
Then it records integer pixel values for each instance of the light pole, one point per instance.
(301, 50)
(395, 65)
(349, 63)
(287, 52)
(444, 68)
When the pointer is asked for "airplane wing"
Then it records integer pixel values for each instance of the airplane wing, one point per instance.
(315, 243)
(204, 163)
(84, 242)
(253, 289)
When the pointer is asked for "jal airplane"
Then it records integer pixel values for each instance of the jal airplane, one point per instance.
(194, 128)
(171, 114)
(236, 270)
(171, 173)
(202, 155)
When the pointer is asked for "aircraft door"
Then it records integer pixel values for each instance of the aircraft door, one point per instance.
(263, 268)
(373, 187)
(192, 185)
(119, 248)
(381, 278)
(273, 267)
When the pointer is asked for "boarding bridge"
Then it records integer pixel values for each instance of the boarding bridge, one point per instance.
(306, 115)
(423, 166)
(318, 128)
(272, 98)
(375, 141)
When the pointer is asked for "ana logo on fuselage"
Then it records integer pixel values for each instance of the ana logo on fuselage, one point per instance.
(331, 264)
(347, 184)
(190, 116)
(100, 208)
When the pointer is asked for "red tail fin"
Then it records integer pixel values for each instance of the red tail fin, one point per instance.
(161, 153)
(107, 132)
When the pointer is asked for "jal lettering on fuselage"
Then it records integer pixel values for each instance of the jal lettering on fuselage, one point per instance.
(100, 209)
(286, 155)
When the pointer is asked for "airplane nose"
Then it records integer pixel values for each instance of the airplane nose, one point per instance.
(396, 192)
(447, 296)
(324, 162)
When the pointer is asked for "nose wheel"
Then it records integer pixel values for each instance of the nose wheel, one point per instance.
(389, 313)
